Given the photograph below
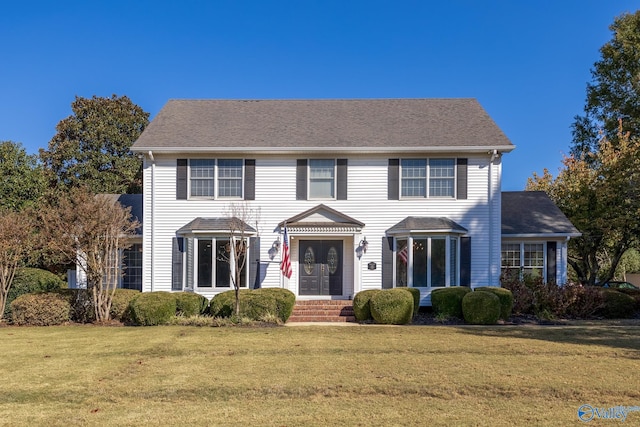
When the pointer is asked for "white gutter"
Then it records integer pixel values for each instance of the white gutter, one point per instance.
(494, 156)
(153, 210)
(337, 149)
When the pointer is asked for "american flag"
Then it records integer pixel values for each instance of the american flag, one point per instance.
(285, 267)
(403, 254)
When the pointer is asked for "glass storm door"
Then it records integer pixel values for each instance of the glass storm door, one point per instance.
(320, 267)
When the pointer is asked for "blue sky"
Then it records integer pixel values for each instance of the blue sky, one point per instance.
(527, 62)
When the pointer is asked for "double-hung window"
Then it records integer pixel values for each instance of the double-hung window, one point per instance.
(229, 178)
(209, 178)
(523, 259)
(202, 177)
(428, 178)
(322, 173)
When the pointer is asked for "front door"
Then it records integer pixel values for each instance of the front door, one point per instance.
(320, 267)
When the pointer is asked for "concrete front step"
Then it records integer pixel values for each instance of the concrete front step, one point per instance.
(322, 311)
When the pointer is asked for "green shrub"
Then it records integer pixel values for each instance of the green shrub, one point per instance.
(258, 305)
(81, 303)
(285, 300)
(120, 304)
(481, 308)
(415, 294)
(392, 307)
(31, 280)
(190, 304)
(506, 299)
(633, 293)
(41, 309)
(223, 304)
(617, 305)
(153, 308)
(361, 307)
(447, 302)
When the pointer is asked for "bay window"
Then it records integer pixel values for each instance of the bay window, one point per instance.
(427, 261)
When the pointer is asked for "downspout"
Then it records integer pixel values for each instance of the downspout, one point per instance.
(491, 195)
(153, 210)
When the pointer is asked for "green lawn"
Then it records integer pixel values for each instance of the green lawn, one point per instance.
(316, 375)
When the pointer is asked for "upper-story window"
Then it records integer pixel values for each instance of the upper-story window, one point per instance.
(322, 178)
(428, 178)
(229, 178)
(202, 181)
(203, 174)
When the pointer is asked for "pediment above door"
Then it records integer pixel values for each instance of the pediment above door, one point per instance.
(322, 219)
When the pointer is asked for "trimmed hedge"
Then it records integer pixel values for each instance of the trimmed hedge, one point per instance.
(121, 304)
(617, 305)
(633, 293)
(153, 308)
(285, 300)
(223, 304)
(481, 308)
(415, 294)
(392, 307)
(43, 309)
(256, 304)
(81, 304)
(31, 280)
(506, 299)
(190, 304)
(361, 307)
(448, 301)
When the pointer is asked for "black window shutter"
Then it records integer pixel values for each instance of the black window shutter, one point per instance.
(552, 248)
(249, 179)
(177, 264)
(301, 179)
(393, 180)
(465, 261)
(190, 263)
(387, 262)
(254, 267)
(342, 179)
(181, 179)
(461, 189)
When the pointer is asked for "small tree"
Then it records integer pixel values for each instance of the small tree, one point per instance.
(90, 230)
(17, 240)
(239, 217)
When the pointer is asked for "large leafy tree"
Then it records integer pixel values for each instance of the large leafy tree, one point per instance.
(599, 191)
(22, 177)
(614, 91)
(92, 147)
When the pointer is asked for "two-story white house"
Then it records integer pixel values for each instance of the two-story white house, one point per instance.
(374, 193)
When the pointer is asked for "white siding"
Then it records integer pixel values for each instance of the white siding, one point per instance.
(367, 202)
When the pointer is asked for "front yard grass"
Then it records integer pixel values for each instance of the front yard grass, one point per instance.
(316, 375)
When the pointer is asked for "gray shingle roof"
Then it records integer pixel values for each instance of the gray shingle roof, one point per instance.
(133, 201)
(426, 224)
(533, 213)
(219, 225)
(316, 125)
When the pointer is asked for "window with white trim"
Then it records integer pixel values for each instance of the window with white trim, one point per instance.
(322, 183)
(209, 178)
(428, 178)
(523, 259)
(428, 261)
(214, 264)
